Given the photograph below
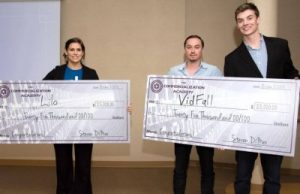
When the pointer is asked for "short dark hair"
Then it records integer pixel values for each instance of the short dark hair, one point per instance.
(74, 40)
(246, 6)
(193, 36)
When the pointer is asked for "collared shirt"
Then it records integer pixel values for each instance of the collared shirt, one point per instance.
(204, 70)
(260, 56)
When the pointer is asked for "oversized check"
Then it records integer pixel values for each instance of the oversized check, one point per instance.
(64, 112)
(255, 115)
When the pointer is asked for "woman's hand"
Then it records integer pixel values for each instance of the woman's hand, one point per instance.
(129, 109)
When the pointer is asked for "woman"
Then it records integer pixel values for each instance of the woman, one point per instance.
(67, 183)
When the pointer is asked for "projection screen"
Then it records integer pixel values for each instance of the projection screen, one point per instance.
(29, 38)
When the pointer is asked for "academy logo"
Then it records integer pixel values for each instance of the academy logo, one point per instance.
(156, 86)
(4, 91)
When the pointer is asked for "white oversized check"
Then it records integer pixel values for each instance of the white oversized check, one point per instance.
(256, 115)
(64, 112)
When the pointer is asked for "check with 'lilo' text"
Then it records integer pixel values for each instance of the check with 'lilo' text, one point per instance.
(64, 112)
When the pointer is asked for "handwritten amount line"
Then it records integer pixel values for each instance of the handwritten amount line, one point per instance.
(43, 119)
(171, 116)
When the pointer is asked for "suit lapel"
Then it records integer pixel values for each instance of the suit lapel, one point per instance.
(247, 60)
(270, 56)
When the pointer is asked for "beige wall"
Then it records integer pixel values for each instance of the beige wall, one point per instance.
(214, 21)
(289, 26)
(129, 39)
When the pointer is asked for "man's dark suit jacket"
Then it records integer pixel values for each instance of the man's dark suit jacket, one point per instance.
(59, 71)
(239, 62)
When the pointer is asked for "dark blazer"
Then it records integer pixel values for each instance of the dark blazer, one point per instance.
(59, 71)
(239, 62)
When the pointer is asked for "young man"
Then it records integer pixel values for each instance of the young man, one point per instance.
(194, 67)
(262, 57)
